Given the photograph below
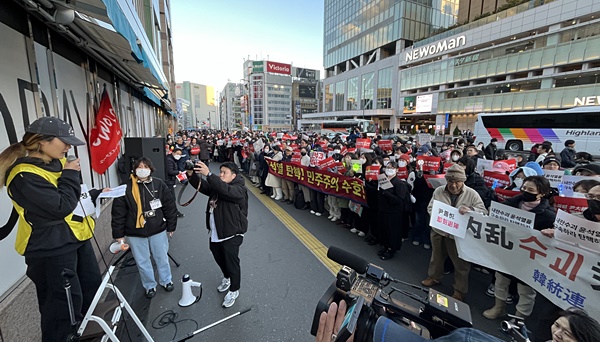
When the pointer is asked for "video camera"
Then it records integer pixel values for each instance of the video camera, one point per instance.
(362, 285)
(189, 165)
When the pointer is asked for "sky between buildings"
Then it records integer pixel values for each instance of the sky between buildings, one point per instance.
(211, 38)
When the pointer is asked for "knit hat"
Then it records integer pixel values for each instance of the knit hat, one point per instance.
(456, 174)
(550, 159)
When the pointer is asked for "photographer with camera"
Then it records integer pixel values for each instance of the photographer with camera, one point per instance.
(226, 219)
(173, 171)
(147, 217)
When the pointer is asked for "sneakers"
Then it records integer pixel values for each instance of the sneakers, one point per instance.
(416, 243)
(313, 212)
(318, 214)
(225, 283)
(426, 246)
(230, 298)
(361, 234)
(491, 290)
(329, 217)
(150, 293)
(333, 219)
(169, 287)
(429, 282)
(354, 230)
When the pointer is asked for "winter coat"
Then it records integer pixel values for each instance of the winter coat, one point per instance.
(544, 212)
(272, 180)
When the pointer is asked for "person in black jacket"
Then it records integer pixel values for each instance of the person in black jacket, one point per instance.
(226, 219)
(491, 149)
(45, 190)
(146, 216)
(476, 182)
(392, 211)
(172, 171)
(533, 198)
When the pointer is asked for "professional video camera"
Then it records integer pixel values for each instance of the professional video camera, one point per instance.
(363, 286)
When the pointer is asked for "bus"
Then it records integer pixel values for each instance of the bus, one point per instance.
(344, 126)
(520, 130)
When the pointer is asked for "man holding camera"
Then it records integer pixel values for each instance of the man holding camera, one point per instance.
(172, 171)
(226, 219)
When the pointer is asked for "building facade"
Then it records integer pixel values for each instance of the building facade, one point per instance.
(232, 111)
(361, 43)
(538, 56)
(202, 109)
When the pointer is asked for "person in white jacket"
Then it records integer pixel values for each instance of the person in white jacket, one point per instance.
(274, 181)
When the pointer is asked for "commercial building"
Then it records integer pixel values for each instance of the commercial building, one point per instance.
(202, 109)
(538, 55)
(270, 100)
(232, 109)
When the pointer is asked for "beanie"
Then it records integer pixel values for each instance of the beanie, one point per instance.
(456, 174)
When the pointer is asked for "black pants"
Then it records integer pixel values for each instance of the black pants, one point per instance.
(226, 255)
(46, 274)
(317, 201)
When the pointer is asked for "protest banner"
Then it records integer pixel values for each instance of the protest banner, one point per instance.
(504, 194)
(566, 189)
(577, 231)
(572, 205)
(383, 182)
(554, 177)
(363, 143)
(316, 157)
(258, 145)
(501, 180)
(385, 145)
(505, 165)
(564, 274)
(321, 180)
(512, 215)
(429, 163)
(402, 172)
(484, 164)
(325, 163)
(423, 138)
(447, 219)
(371, 172)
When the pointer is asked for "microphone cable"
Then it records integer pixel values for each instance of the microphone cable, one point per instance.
(167, 318)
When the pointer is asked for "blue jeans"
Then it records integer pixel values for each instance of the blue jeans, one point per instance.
(141, 247)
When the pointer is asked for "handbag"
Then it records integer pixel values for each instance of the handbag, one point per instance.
(195, 150)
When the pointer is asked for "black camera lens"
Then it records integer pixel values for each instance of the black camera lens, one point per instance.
(189, 165)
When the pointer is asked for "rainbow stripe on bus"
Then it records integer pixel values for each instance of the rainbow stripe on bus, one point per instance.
(529, 135)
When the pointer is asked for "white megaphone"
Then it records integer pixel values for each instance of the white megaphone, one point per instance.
(187, 297)
(118, 246)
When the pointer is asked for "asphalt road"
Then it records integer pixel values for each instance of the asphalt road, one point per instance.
(282, 280)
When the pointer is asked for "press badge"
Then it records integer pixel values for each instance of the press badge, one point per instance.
(155, 204)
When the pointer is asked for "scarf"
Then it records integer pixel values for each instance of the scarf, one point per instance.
(135, 191)
(528, 206)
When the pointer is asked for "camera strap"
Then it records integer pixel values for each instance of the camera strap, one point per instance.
(191, 199)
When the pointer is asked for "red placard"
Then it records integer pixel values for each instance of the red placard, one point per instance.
(372, 172)
(352, 150)
(505, 165)
(427, 177)
(402, 172)
(316, 157)
(572, 205)
(385, 145)
(490, 176)
(363, 143)
(503, 194)
(325, 163)
(431, 163)
(296, 158)
(447, 166)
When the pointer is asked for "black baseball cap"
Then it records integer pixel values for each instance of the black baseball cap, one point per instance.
(55, 127)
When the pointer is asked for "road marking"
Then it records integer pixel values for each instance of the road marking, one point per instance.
(310, 241)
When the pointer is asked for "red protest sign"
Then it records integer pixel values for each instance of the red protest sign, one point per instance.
(316, 157)
(503, 194)
(447, 166)
(296, 158)
(363, 143)
(402, 172)
(431, 163)
(572, 205)
(325, 163)
(385, 145)
(432, 178)
(372, 172)
(505, 165)
(490, 177)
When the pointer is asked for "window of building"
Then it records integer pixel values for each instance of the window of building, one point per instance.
(328, 98)
(352, 93)
(339, 96)
(384, 88)
(367, 91)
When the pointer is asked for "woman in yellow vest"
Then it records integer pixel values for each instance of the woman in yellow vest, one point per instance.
(45, 190)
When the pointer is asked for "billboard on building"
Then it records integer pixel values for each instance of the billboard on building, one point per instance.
(424, 103)
(307, 91)
(409, 104)
(308, 74)
(279, 68)
(258, 66)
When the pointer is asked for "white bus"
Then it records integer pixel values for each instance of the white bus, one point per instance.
(344, 126)
(520, 130)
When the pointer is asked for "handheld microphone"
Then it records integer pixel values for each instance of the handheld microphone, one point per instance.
(71, 158)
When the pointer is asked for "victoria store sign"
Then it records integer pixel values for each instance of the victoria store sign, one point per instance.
(279, 68)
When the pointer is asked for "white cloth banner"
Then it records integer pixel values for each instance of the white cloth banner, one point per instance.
(446, 218)
(566, 275)
(577, 231)
(512, 215)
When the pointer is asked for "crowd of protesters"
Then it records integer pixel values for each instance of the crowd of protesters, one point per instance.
(400, 212)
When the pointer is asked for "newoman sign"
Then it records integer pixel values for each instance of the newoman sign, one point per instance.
(435, 48)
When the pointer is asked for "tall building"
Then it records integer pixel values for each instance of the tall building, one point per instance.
(361, 42)
(470, 10)
(232, 112)
(202, 109)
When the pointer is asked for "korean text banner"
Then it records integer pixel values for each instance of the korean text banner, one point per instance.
(566, 275)
(324, 181)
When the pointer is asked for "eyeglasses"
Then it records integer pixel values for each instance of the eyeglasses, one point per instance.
(592, 197)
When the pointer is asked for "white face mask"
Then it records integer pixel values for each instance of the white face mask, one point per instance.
(518, 182)
(402, 163)
(390, 172)
(336, 151)
(177, 156)
(142, 173)
(455, 157)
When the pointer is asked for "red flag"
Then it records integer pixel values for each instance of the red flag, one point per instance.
(105, 136)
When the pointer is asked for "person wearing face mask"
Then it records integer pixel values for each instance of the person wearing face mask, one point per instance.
(172, 171)
(392, 211)
(273, 181)
(146, 217)
(518, 175)
(491, 150)
(263, 169)
(455, 155)
(533, 198)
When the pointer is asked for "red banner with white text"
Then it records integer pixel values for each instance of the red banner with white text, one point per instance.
(105, 136)
(321, 180)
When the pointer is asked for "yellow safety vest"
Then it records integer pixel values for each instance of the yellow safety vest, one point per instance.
(83, 230)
